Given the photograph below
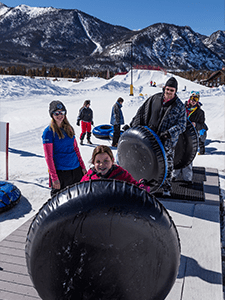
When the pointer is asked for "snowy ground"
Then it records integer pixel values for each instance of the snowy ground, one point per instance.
(24, 104)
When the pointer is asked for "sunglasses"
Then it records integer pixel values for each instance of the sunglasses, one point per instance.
(59, 112)
(194, 98)
(170, 90)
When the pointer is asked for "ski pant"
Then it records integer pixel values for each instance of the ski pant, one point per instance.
(67, 177)
(116, 134)
(166, 186)
(185, 174)
(202, 139)
(85, 127)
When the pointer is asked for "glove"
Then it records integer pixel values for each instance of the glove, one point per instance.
(164, 136)
(78, 123)
(125, 127)
(143, 184)
(202, 131)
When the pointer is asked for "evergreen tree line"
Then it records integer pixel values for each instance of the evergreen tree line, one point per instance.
(54, 72)
(192, 75)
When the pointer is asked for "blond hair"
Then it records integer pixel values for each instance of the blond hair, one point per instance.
(65, 125)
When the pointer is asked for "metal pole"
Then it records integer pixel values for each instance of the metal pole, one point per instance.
(131, 55)
(131, 67)
(7, 151)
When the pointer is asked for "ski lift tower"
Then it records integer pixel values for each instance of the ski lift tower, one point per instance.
(131, 67)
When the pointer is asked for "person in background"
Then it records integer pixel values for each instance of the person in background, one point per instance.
(197, 117)
(117, 120)
(62, 154)
(86, 118)
(105, 168)
(165, 114)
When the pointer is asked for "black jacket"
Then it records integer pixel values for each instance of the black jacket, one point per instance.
(198, 116)
(85, 114)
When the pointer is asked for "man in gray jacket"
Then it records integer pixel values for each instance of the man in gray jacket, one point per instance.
(165, 114)
(117, 120)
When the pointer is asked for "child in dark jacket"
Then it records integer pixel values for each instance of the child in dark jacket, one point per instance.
(197, 117)
(105, 168)
(86, 118)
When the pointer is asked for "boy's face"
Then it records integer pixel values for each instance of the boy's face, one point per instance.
(103, 163)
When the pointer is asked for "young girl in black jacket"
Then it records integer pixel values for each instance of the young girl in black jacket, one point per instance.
(86, 118)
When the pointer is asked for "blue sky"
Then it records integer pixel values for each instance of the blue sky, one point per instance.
(203, 16)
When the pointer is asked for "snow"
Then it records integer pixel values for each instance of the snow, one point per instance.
(24, 104)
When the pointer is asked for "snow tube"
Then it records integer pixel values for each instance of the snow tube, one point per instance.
(102, 131)
(142, 154)
(9, 195)
(103, 239)
(186, 147)
(111, 133)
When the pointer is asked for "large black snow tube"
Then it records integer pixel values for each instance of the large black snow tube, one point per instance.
(142, 154)
(9, 195)
(102, 131)
(103, 239)
(186, 147)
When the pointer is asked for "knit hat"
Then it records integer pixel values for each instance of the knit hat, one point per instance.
(56, 105)
(172, 82)
(195, 96)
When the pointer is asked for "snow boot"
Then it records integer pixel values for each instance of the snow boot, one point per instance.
(89, 138)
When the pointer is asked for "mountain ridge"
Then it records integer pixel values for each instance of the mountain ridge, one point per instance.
(71, 38)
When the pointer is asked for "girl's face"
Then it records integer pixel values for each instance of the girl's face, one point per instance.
(59, 116)
(103, 163)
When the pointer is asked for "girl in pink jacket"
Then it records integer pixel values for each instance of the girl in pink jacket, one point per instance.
(105, 168)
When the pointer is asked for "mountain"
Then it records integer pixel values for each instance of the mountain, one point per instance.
(216, 43)
(70, 38)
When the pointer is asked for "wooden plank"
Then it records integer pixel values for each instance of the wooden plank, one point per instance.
(4, 295)
(11, 251)
(211, 187)
(203, 276)
(13, 244)
(21, 289)
(16, 238)
(23, 279)
(13, 268)
(18, 260)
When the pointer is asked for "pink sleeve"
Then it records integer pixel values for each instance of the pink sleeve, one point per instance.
(78, 154)
(48, 150)
(85, 178)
